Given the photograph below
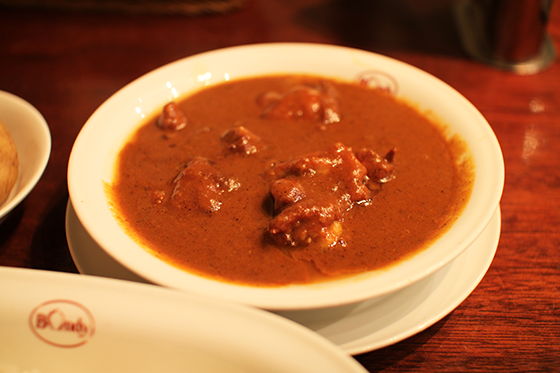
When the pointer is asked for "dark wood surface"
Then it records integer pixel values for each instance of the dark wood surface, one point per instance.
(67, 63)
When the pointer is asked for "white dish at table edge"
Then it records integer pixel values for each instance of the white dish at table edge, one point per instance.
(88, 173)
(356, 328)
(32, 138)
(61, 322)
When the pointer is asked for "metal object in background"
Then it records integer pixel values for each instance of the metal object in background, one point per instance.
(507, 34)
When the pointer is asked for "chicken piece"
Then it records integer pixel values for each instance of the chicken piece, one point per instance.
(241, 140)
(338, 169)
(286, 192)
(311, 195)
(301, 101)
(172, 118)
(201, 185)
(379, 169)
(306, 223)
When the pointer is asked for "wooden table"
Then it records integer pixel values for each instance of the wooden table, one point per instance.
(67, 63)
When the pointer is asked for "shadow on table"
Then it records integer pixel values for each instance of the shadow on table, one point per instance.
(9, 224)
(49, 248)
(381, 359)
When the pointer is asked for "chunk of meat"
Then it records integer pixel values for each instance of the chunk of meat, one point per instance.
(306, 223)
(338, 170)
(379, 169)
(172, 118)
(200, 185)
(312, 193)
(312, 103)
(286, 192)
(241, 140)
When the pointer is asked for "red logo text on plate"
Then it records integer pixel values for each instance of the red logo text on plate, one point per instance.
(62, 323)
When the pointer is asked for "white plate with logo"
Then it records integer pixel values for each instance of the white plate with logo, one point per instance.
(61, 322)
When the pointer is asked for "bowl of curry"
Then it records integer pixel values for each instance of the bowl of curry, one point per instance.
(286, 176)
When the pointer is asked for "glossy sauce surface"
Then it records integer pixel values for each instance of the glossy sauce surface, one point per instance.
(228, 234)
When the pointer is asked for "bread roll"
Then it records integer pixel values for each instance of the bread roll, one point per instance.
(9, 163)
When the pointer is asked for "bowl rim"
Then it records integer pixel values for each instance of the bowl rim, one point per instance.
(293, 296)
(33, 148)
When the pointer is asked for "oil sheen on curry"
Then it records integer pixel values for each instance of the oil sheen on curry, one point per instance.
(279, 180)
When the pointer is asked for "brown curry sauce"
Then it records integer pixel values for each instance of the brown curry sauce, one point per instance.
(289, 179)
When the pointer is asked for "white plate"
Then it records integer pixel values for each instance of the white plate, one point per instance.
(32, 137)
(356, 328)
(62, 322)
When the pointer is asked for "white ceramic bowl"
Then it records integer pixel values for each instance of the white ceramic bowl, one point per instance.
(96, 147)
(32, 137)
(61, 322)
